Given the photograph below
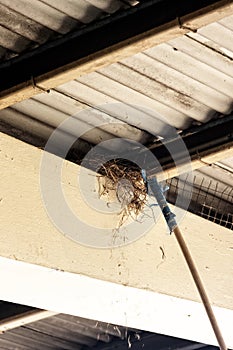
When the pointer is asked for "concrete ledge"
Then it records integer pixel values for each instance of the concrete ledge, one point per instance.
(109, 302)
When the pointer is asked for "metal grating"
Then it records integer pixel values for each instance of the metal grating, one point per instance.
(212, 192)
(212, 214)
(27, 24)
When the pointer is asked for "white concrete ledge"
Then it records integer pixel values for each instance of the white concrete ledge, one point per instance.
(109, 302)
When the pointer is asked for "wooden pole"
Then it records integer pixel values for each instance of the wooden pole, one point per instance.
(155, 189)
(200, 286)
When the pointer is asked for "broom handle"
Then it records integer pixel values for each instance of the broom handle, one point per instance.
(200, 287)
(156, 190)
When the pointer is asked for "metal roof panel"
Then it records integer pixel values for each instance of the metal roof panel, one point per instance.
(26, 24)
(184, 82)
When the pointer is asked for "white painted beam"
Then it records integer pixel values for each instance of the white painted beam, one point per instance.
(109, 302)
(135, 285)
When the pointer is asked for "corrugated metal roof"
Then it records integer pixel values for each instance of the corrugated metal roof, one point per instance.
(71, 333)
(26, 24)
(186, 81)
(60, 332)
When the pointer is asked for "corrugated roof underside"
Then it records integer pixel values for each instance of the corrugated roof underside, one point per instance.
(65, 332)
(180, 83)
(26, 24)
(61, 332)
(186, 81)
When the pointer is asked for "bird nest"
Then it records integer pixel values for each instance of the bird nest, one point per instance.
(124, 179)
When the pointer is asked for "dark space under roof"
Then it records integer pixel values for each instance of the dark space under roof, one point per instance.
(64, 332)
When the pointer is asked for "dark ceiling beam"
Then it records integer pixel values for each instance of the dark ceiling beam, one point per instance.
(102, 43)
(200, 146)
(204, 144)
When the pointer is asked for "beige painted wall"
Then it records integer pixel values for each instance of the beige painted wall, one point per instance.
(27, 234)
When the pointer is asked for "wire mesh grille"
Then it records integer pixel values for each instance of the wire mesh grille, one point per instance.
(211, 214)
(209, 198)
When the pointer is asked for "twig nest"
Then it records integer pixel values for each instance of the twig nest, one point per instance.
(125, 192)
(122, 180)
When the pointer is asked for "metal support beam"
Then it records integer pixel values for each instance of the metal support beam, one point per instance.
(80, 52)
(205, 144)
